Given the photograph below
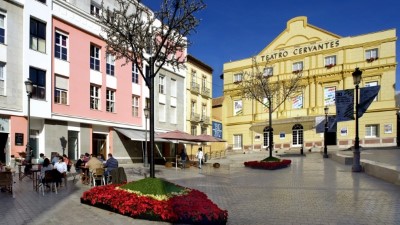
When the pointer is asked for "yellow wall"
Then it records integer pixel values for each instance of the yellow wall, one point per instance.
(299, 36)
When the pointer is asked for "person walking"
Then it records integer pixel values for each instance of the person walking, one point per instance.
(199, 156)
(183, 158)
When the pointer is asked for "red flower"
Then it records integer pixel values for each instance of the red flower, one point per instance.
(268, 165)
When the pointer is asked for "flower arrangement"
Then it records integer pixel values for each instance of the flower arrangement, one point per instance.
(372, 59)
(328, 66)
(269, 163)
(185, 205)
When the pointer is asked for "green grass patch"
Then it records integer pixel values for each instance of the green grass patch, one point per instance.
(271, 159)
(153, 186)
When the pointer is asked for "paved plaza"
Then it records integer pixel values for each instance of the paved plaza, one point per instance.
(313, 190)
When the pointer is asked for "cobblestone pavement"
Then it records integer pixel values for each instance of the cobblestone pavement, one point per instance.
(313, 190)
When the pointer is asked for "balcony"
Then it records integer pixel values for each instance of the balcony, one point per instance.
(194, 117)
(206, 92)
(195, 87)
(205, 119)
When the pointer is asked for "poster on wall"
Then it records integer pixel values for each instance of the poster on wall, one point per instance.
(388, 128)
(297, 102)
(329, 96)
(19, 139)
(282, 135)
(217, 129)
(237, 107)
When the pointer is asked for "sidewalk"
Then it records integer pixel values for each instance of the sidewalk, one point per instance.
(313, 190)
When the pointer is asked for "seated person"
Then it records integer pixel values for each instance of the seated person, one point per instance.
(46, 167)
(61, 167)
(41, 158)
(93, 163)
(111, 164)
(79, 164)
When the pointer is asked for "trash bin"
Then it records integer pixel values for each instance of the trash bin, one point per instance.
(206, 157)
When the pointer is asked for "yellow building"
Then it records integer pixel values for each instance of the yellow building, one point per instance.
(198, 99)
(326, 61)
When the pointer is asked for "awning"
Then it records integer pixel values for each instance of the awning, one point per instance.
(137, 135)
(291, 120)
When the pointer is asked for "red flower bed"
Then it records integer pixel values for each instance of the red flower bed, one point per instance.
(268, 165)
(192, 208)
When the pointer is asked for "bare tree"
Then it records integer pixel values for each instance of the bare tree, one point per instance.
(270, 90)
(135, 34)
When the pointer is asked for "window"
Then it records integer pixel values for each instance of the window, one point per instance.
(38, 35)
(2, 28)
(94, 58)
(135, 74)
(61, 90)
(297, 101)
(38, 78)
(269, 71)
(371, 131)
(94, 97)
(110, 64)
(237, 107)
(203, 111)
(237, 141)
(161, 85)
(135, 106)
(237, 77)
(60, 46)
(203, 82)
(371, 54)
(2, 78)
(173, 88)
(161, 113)
(329, 96)
(193, 107)
(110, 100)
(266, 137)
(330, 61)
(193, 130)
(194, 76)
(173, 115)
(297, 67)
(371, 84)
(94, 10)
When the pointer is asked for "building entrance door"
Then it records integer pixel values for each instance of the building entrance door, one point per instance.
(297, 135)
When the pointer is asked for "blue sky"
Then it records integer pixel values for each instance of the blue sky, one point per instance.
(237, 29)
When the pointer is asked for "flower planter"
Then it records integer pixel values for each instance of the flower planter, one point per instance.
(192, 207)
(216, 165)
(168, 164)
(268, 165)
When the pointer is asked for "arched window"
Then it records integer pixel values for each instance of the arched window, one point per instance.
(266, 136)
(297, 131)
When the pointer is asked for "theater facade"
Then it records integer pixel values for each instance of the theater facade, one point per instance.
(326, 62)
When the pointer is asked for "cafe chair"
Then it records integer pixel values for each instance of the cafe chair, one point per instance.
(6, 181)
(49, 179)
(98, 175)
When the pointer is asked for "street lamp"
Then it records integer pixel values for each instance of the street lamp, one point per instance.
(146, 115)
(29, 87)
(326, 109)
(356, 153)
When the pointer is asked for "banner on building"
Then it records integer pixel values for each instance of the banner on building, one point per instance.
(367, 96)
(320, 124)
(217, 129)
(344, 105)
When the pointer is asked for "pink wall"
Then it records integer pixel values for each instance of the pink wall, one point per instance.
(18, 125)
(79, 80)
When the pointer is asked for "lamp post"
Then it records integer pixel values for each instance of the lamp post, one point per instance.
(326, 109)
(146, 115)
(29, 87)
(356, 153)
